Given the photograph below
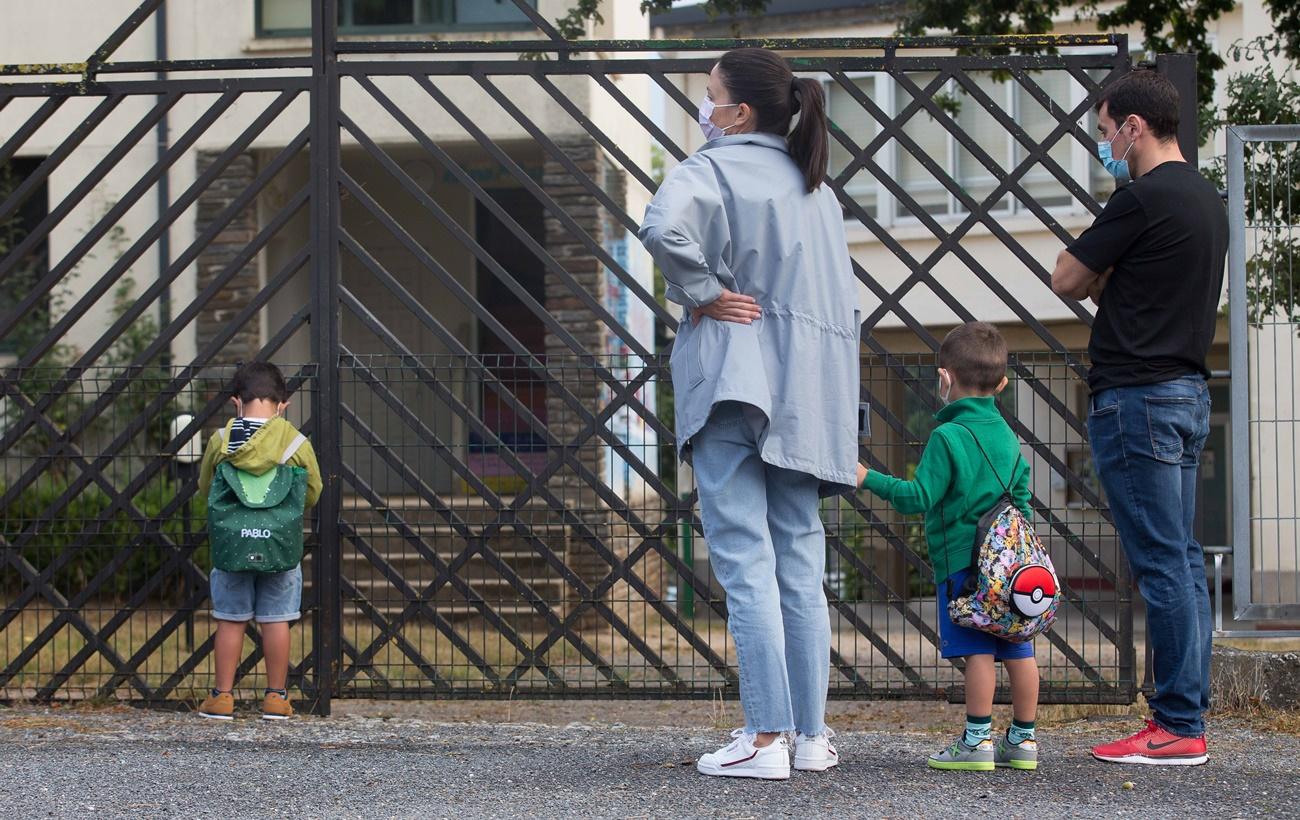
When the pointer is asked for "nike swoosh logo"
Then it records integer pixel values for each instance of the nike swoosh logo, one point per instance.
(1155, 746)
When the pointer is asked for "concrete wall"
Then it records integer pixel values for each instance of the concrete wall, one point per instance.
(225, 29)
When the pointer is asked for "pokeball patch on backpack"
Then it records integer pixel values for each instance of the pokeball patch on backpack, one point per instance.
(1033, 589)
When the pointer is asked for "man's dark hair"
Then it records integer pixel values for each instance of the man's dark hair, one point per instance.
(260, 380)
(1147, 93)
(975, 355)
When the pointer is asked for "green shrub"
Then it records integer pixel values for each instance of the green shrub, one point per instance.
(83, 538)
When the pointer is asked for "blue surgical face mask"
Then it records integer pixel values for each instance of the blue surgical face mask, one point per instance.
(711, 131)
(1118, 168)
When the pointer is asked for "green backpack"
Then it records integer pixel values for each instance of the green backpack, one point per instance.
(255, 521)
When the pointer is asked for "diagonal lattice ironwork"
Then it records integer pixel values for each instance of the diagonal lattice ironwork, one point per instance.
(491, 524)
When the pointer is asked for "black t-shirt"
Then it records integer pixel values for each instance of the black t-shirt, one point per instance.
(1166, 235)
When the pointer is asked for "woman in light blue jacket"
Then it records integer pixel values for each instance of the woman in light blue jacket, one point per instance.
(765, 372)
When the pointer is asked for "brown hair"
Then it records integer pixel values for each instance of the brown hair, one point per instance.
(1147, 93)
(260, 380)
(975, 354)
(762, 79)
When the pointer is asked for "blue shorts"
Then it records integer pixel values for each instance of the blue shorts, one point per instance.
(266, 597)
(960, 641)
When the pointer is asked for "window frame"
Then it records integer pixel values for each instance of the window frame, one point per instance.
(886, 95)
(885, 199)
(346, 28)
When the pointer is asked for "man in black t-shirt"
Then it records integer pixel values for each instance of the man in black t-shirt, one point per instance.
(1153, 263)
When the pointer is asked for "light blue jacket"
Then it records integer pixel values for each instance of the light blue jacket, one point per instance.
(736, 214)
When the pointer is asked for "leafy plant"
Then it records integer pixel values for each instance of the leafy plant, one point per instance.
(573, 24)
(1265, 94)
(81, 538)
(85, 537)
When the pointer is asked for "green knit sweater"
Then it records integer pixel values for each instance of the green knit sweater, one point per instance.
(954, 485)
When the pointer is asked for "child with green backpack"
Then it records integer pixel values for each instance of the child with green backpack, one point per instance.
(970, 463)
(259, 474)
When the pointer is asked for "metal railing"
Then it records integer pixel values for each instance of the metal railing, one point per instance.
(491, 525)
(1263, 172)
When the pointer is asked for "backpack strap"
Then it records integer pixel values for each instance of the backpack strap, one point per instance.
(297, 442)
(1005, 487)
(975, 550)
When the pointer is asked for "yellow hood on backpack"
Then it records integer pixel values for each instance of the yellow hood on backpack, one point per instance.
(260, 453)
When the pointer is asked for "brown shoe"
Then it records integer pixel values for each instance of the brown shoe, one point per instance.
(275, 706)
(218, 706)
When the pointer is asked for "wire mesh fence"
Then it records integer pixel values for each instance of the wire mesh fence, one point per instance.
(1264, 304)
(105, 575)
(445, 230)
(487, 553)
(596, 581)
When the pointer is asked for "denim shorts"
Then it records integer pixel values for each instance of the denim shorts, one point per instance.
(266, 597)
(960, 641)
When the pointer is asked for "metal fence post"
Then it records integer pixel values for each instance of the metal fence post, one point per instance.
(325, 345)
(1181, 71)
(1239, 364)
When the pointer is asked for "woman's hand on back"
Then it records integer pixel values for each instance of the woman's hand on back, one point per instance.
(729, 307)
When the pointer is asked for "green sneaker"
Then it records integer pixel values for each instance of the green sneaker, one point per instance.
(960, 757)
(1012, 756)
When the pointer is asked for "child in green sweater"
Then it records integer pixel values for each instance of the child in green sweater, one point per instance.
(954, 486)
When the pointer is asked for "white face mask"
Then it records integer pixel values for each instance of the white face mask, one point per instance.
(944, 394)
(711, 131)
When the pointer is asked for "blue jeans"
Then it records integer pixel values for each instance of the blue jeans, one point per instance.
(962, 641)
(767, 548)
(1146, 444)
(266, 597)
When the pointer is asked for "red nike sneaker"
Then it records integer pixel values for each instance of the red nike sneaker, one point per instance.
(1154, 746)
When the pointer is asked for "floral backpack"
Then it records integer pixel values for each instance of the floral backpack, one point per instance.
(1012, 590)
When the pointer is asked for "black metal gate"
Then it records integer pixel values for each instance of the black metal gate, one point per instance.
(437, 241)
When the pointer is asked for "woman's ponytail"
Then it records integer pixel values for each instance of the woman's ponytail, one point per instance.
(809, 144)
(762, 79)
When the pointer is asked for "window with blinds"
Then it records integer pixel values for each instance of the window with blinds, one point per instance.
(861, 128)
(935, 148)
(278, 18)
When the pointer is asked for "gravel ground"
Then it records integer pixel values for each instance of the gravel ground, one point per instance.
(414, 761)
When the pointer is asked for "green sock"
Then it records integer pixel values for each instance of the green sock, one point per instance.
(978, 729)
(1020, 731)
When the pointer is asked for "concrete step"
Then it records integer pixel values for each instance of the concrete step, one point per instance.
(474, 511)
(488, 587)
(410, 563)
(447, 541)
(515, 613)
(376, 524)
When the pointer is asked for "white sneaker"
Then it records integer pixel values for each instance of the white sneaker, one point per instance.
(741, 758)
(815, 754)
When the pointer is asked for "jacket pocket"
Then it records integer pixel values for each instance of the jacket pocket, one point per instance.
(688, 370)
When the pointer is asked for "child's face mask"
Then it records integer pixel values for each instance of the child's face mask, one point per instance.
(280, 407)
(945, 386)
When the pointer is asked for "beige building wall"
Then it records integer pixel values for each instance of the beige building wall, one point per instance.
(225, 29)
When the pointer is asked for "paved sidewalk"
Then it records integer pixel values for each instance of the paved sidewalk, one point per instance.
(380, 762)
